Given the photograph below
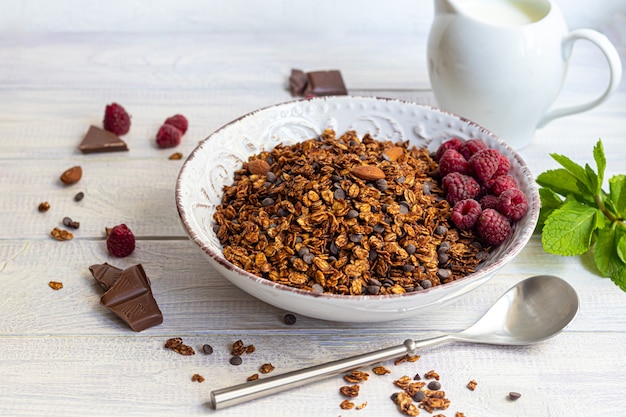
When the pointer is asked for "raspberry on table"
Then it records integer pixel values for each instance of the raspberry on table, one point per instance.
(116, 119)
(452, 161)
(454, 143)
(465, 213)
(458, 187)
(179, 122)
(484, 164)
(120, 241)
(513, 204)
(493, 227)
(498, 185)
(470, 147)
(168, 136)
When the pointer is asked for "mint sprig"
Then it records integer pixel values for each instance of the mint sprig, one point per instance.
(577, 215)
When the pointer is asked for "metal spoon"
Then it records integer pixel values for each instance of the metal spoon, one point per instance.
(535, 309)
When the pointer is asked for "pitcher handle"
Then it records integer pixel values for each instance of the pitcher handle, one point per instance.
(615, 71)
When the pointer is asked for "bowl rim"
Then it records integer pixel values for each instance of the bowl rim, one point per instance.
(521, 240)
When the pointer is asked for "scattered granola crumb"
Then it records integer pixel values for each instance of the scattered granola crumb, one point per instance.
(346, 405)
(55, 285)
(381, 370)
(60, 234)
(350, 390)
(253, 377)
(431, 375)
(458, 414)
(197, 378)
(356, 377)
(176, 344)
(361, 406)
(176, 156)
(406, 358)
(43, 206)
(472, 385)
(266, 368)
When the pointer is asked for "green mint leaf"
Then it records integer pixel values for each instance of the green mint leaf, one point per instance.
(617, 188)
(620, 240)
(595, 185)
(569, 229)
(600, 158)
(550, 201)
(563, 182)
(576, 171)
(607, 260)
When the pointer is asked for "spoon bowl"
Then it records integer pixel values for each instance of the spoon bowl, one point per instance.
(532, 311)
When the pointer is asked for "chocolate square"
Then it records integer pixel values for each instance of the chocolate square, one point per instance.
(325, 83)
(100, 140)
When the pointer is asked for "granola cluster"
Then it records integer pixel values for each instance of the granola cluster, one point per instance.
(344, 215)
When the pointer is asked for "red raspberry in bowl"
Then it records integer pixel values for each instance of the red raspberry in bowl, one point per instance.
(116, 119)
(120, 241)
(484, 164)
(493, 227)
(452, 161)
(465, 213)
(168, 136)
(470, 147)
(458, 187)
(513, 204)
(489, 201)
(179, 122)
(498, 185)
(454, 143)
(503, 166)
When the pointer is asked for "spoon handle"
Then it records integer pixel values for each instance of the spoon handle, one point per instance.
(238, 394)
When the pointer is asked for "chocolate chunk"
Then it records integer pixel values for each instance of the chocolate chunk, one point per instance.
(105, 274)
(325, 83)
(298, 81)
(100, 140)
(131, 299)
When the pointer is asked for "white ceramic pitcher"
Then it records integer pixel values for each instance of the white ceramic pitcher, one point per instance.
(501, 63)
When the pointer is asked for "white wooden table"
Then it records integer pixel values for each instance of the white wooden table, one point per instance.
(63, 354)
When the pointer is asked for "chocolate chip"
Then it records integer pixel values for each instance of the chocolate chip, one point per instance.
(426, 284)
(372, 289)
(379, 228)
(352, 214)
(410, 249)
(236, 360)
(417, 377)
(444, 246)
(381, 184)
(207, 349)
(514, 395)
(419, 396)
(70, 223)
(79, 196)
(268, 201)
(289, 319)
(443, 258)
(434, 385)
(444, 273)
(356, 237)
(339, 194)
(404, 207)
(441, 230)
(308, 258)
(408, 268)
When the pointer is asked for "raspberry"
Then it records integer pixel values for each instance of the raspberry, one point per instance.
(465, 213)
(470, 147)
(489, 201)
(179, 122)
(116, 119)
(513, 204)
(459, 187)
(121, 241)
(493, 227)
(168, 136)
(452, 161)
(498, 185)
(503, 166)
(484, 164)
(454, 143)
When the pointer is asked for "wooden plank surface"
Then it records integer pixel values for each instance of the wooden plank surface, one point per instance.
(63, 354)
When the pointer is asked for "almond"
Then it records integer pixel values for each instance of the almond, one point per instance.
(72, 175)
(259, 167)
(392, 154)
(368, 172)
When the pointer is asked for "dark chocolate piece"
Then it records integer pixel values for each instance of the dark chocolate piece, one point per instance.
(105, 274)
(298, 82)
(100, 140)
(325, 83)
(131, 299)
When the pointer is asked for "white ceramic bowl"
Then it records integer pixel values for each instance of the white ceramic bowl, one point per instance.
(213, 163)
